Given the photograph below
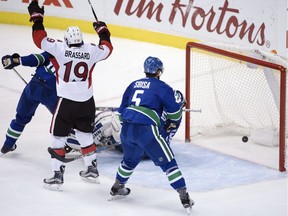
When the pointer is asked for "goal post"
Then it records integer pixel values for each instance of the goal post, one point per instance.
(239, 91)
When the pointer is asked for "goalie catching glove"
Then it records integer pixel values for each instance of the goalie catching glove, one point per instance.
(36, 13)
(10, 61)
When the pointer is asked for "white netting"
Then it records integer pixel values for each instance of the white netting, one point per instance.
(235, 97)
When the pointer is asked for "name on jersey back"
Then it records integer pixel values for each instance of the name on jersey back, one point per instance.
(142, 84)
(77, 55)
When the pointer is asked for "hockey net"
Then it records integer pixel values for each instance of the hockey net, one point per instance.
(233, 90)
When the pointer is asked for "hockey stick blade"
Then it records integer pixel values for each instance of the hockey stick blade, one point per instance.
(62, 159)
(70, 159)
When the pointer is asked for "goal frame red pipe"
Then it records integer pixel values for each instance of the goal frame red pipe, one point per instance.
(240, 57)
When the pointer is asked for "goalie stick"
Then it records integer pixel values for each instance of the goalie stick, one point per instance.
(70, 159)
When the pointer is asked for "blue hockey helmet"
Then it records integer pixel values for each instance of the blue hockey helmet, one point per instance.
(152, 65)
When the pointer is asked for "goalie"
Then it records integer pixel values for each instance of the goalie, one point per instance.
(106, 132)
(107, 127)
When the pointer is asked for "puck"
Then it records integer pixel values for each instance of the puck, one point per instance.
(244, 138)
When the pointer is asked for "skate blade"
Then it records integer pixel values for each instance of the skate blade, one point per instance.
(54, 187)
(91, 180)
(189, 210)
(116, 197)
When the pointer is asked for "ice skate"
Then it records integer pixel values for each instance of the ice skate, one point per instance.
(6, 149)
(91, 174)
(56, 182)
(118, 193)
(186, 202)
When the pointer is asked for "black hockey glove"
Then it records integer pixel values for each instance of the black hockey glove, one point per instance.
(10, 62)
(170, 125)
(101, 28)
(36, 13)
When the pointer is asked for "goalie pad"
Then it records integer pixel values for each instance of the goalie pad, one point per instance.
(116, 126)
(102, 128)
(107, 128)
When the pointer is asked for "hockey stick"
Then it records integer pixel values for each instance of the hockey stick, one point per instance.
(106, 108)
(116, 109)
(191, 110)
(93, 11)
(19, 76)
(70, 159)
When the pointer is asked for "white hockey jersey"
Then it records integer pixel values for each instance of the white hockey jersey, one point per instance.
(75, 67)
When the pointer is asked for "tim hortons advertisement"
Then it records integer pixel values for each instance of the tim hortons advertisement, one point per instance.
(257, 23)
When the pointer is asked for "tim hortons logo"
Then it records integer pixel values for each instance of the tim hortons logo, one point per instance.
(222, 20)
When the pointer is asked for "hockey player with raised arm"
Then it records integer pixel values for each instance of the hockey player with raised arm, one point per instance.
(41, 89)
(142, 105)
(76, 106)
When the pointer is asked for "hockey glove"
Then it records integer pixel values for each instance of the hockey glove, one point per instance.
(179, 98)
(10, 62)
(170, 125)
(36, 13)
(101, 27)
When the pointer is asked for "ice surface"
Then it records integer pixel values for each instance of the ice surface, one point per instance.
(220, 183)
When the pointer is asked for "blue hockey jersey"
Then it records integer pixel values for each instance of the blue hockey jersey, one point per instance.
(144, 101)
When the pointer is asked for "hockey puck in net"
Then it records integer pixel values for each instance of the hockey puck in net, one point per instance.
(244, 138)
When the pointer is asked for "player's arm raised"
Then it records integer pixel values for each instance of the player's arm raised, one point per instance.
(37, 16)
(104, 35)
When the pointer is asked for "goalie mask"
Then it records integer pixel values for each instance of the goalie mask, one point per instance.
(73, 36)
